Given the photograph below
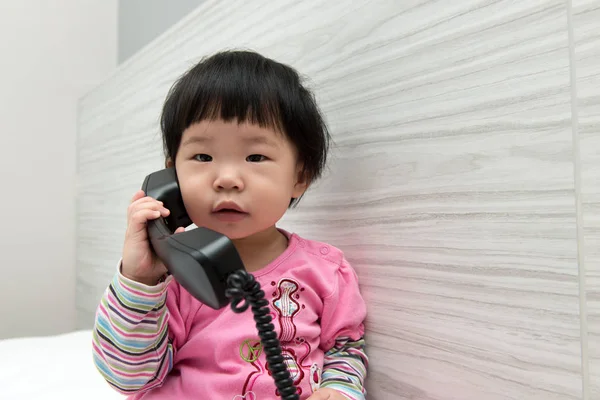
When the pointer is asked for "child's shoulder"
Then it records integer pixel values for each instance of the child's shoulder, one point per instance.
(317, 251)
(318, 264)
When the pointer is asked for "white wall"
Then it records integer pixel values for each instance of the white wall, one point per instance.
(141, 21)
(51, 53)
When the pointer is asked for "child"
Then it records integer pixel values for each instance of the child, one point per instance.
(247, 140)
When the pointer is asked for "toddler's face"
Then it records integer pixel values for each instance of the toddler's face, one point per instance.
(236, 179)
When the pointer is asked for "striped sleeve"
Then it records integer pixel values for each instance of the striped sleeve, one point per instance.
(345, 368)
(131, 348)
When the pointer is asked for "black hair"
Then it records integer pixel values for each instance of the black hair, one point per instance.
(248, 87)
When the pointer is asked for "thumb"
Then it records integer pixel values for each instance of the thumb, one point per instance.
(180, 229)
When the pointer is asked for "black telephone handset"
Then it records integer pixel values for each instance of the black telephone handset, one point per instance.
(209, 267)
(199, 259)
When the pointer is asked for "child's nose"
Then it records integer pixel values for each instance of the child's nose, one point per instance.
(227, 180)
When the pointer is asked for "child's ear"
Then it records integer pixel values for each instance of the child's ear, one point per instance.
(168, 162)
(302, 182)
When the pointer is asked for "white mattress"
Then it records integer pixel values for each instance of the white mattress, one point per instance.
(54, 367)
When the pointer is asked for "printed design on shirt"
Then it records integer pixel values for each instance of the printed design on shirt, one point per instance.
(315, 377)
(294, 360)
(250, 351)
(287, 307)
(294, 349)
(247, 396)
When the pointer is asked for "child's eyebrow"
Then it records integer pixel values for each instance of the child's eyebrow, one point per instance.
(260, 140)
(197, 139)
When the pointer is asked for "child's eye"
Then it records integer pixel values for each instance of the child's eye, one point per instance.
(203, 157)
(255, 158)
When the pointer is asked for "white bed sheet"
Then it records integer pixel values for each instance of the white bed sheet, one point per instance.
(53, 367)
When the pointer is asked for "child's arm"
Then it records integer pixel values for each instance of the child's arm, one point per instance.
(342, 336)
(130, 339)
(345, 368)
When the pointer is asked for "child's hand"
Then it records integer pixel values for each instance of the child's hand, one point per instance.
(327, 394)
(139, 262)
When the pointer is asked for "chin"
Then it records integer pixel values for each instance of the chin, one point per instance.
(231, 232)
(236, 234)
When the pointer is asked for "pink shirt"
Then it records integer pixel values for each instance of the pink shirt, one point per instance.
(216, 354)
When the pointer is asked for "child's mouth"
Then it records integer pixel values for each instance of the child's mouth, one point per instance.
(229, 215)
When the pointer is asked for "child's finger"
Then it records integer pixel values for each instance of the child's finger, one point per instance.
(180, 229)
(138, 195)
(139, 218)
(146, 202)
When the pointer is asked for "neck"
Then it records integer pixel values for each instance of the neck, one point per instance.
(260, 249)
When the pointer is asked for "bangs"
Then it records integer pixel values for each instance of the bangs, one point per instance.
(229, 101)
